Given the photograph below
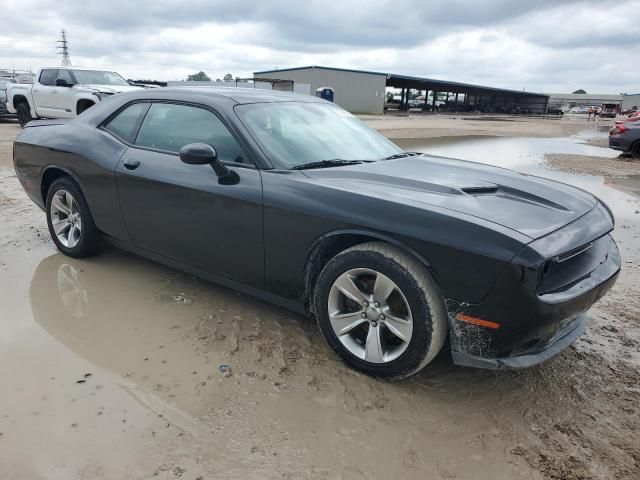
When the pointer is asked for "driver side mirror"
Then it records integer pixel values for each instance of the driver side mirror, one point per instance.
(203, 154)
(60, 82)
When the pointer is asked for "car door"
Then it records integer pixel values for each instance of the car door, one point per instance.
(64, 100)
(183, 212)
(44, 93)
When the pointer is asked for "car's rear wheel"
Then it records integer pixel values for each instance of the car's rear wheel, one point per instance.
(23, 112)
(380, 310)
(635, 149)
(70, 222)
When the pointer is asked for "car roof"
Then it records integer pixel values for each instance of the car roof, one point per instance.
(222, 98)
(238, 95)
(58, 67)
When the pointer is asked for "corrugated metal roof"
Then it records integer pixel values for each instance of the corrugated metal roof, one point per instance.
(409, 78)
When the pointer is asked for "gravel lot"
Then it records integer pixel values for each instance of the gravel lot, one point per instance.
(116, 367)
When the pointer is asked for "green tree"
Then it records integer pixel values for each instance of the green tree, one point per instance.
(198, 77)
(580, 91)
(228, 78)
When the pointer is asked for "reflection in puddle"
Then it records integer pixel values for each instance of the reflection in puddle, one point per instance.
(72, 294)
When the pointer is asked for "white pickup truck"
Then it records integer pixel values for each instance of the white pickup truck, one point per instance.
(63, 92)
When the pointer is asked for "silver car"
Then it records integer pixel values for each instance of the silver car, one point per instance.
(3, 96)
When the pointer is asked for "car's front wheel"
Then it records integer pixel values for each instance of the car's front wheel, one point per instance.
(69, 219)
(380, 310)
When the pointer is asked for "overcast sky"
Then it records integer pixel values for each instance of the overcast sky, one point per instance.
(539, 45)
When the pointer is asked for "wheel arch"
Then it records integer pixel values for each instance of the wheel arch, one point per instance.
(22, 98)
(50, 174)
(327, 246)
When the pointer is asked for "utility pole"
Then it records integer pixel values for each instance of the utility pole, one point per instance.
(64, 49)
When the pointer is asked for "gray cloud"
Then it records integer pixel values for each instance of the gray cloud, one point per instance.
(543, 45)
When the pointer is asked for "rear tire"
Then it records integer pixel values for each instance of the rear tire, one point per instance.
(23, 112)
(635, 150)
(70, 222)
(398, 323)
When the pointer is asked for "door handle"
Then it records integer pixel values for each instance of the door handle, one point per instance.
(131, 164)
(35, 90)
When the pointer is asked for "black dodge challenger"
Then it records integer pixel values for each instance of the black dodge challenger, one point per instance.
(294, 200)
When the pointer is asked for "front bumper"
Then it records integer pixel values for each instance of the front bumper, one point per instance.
(562, 340)
(530, 316)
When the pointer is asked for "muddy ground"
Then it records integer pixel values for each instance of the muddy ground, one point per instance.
(116, 367)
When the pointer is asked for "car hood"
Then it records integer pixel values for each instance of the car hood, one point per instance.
(530, 205)
(112, 88)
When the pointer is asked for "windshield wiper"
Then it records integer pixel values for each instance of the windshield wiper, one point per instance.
(336, 162)
(402, 155)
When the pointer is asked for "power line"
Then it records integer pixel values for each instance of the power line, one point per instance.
(64, 49)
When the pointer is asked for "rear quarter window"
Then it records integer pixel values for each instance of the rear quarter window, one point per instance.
(125, 124)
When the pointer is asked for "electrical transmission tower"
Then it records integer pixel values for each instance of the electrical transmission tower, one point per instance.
(64, 49)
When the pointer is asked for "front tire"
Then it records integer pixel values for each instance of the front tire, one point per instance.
(23, 112)
(380, 311)
(70, 222)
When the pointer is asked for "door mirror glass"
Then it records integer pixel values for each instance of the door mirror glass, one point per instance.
(61, 82)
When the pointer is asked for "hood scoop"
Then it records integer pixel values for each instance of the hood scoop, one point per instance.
(511, 194)
(485, 190)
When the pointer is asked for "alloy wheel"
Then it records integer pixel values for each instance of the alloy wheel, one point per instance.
(370, 315)
(66, 219)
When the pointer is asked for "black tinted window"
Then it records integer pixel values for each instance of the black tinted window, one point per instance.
(125, 123)
(65, 75)
(169, 127)
(48, 77)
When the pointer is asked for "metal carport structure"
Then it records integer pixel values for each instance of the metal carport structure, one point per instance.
(465, 96)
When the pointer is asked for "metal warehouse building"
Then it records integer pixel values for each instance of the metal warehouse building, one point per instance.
(360, 91)
(631, 101)
(582, 99)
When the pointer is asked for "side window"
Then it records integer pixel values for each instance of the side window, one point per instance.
(48, 77)
(169, 127)
(65, 75)
(124, 124)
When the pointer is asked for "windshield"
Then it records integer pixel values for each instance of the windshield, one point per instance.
(93, 77)
(292, 134)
